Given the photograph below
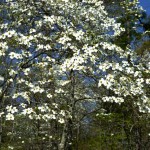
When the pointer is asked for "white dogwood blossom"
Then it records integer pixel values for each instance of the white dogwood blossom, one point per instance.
(10, 116)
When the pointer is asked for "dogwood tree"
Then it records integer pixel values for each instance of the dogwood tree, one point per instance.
(57, 57)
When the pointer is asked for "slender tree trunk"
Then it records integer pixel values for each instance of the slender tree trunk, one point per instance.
(139, 139)
(1, 128)
(63, 139)
(67, 135)
(66, 138)
(77, 136)
(0, 132)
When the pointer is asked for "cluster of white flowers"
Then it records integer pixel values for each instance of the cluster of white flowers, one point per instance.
(10, 112)
(111, 47)
(50, 19)
(104, 66)
(37, 89)
(8, 34)
(3, 48)
(49, 95)
(1, 78)
(44, 112)
(64, 39)
(2, 113)
(108, 82)
(10, 147)
(27, 111)
(13, 55)
(25, 40)
(147, 81)
(11, 109)
(112, 99)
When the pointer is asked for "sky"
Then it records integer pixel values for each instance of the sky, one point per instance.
(146, 5)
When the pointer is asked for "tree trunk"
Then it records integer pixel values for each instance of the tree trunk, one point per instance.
(66, 139)
(67, 135)
(0, 132)
(63, 139)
